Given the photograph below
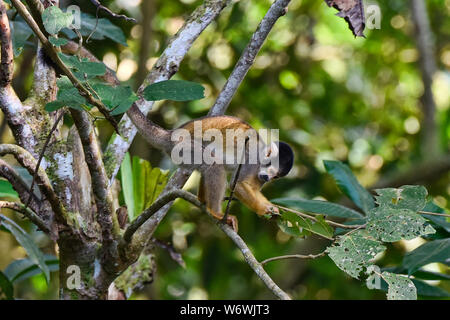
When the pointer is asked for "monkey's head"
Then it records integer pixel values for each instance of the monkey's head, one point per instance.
(279, 161)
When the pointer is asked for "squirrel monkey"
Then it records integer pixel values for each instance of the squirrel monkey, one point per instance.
(252, 175)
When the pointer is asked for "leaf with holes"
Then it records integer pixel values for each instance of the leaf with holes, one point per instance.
(400, 287)
(390, 225)
(55, 19)
(348, 184)
(178, 90)
(298, 224)
(354, 252)
(406, 197)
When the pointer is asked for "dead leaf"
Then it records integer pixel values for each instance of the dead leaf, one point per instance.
(353, 12)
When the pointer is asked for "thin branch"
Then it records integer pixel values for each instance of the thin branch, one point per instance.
(112, 14)
(435, 214)
(53, 54)
(7, 59)
(33, 217)
(249, 257)
(294, 256)
(165, 67)
(41, 156)
(332, 223)
(277, 9)
(27, 161)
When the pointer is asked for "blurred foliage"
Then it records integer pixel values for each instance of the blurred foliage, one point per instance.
(333, 97)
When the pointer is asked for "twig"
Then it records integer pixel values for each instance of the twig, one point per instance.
(294, 256)
(165, 67)
(41, 155)
(234, 182)
(34, 218)
(53, 54)
(277, 9)
(435, 214)
(307, 216)
(112, 14)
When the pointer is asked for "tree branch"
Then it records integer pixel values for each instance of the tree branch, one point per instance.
(27, 161)
(424, 41)
(112, 14)
(27, 213)
(7, 60)
(249, 257)
(293, 256)
(277, 9)
(166, 66)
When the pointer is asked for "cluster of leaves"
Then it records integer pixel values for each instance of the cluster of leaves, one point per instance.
(394, 215)
(118, 99)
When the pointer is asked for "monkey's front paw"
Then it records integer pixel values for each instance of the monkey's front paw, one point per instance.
(271, 210)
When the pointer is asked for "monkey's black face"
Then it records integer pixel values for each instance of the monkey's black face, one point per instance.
(282, 160)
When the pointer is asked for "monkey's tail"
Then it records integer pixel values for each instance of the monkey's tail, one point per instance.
(156, 136)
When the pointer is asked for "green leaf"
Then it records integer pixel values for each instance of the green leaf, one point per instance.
(424, 289)
(348, 184)
(178, 90)
(429, 275)
(68, 95)
(57, 41)
(317, 206)
(433, 251)
(55, 19)
(390, 225)
(27, 243)
(118, 99)
(126, 175)
(6, 288)
(297, 225)
(400, 287)
(20, 33)
(354, 252)
(83, 65)
(103, 29)
(405, 197)
(22, 269)
(6, 190)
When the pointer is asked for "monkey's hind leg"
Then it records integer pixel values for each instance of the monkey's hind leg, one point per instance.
(212, 191)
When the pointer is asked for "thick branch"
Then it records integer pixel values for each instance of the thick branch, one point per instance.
(424, 40)
(277, 9)
(249, 257)
(105, 208)
(7, 60)
(166, 66)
